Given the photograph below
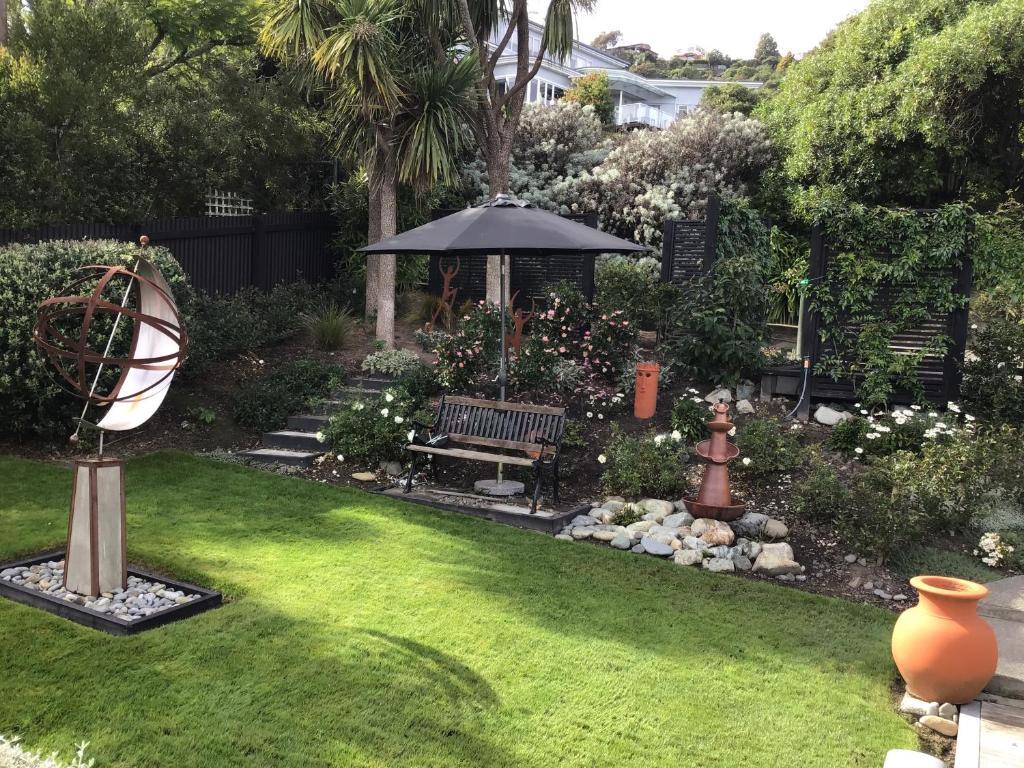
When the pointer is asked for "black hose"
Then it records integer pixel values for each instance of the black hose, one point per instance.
(803, 389)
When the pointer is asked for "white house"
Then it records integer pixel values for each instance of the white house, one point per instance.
(639, 100)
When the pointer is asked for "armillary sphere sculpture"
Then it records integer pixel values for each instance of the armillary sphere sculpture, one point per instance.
(129, 378)
(714, 499)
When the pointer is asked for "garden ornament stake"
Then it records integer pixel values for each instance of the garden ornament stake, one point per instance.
(446, 302)
(519, 320)
(714, 500)
(145, 365)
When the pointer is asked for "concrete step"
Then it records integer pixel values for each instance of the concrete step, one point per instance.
(1004, 610)
(278, 456)
(372, 383)
(355, 393)
(293, 440)
(310, 422)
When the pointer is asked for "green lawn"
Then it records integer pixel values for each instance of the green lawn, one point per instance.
(360, 631)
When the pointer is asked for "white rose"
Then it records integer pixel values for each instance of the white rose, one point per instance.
(746, 461)
(677, 435)
(602, 459)
(320, 437)
(399, 419)
(384, 412)
(389, 397)
(858, 449)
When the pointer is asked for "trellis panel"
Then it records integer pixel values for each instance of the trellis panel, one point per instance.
(688, 246)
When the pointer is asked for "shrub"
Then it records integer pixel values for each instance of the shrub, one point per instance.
(31, 401)
(716, 329)
(872, 523)
(992, 385)
(329, 326)
(644, 465)
(629, 514)
(371, 431)
(690, 415)
(766, 446)
(904, 429)
(266, 403)
(391, 362)
(635, 287)
(821, 495)
(592, 90)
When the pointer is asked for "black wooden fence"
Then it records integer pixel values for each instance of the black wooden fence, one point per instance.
(220, 255)
(939, 376)
(529, 274)
(688, 246)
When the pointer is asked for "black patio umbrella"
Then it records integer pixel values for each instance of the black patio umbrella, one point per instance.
(507, 227)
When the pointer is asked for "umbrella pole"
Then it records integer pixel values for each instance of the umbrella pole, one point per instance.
(503, 364)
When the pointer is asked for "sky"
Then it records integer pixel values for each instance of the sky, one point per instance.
(731, 26)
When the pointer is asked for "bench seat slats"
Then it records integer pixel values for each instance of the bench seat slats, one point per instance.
(491, 442)
(460, 453)
(494, 405)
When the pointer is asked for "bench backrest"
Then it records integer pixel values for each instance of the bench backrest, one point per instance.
(515, 426)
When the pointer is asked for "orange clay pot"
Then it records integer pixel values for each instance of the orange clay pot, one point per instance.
(943, 649)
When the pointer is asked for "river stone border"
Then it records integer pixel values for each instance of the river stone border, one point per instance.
(106, 622)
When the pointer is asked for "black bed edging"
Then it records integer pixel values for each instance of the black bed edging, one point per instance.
(106, 622)
(550, 525)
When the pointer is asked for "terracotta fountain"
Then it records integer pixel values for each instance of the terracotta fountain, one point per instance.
(714, 499)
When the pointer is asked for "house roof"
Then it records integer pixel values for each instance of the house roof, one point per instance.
(613, 60)
(629, 81)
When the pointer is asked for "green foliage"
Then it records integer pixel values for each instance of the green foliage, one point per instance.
(914, 102)
(729, 98)
(766, 48)
(126, 110)
(690, 416)
(643, 465)
(371, 431)
(635, 287)
(329, 326)
(770, 447)
(391, 362)
(719, 322)
(871, 522)
(266, 403)
(992, 386)
(592, 90)
(628, 514)
(999, 242)
(904, 255)
(820, 495)
(223, 327)
(31, 401)
(787, 268)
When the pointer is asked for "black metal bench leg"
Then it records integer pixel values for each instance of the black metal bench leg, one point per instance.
(412, 472)
(554, 482)
(536, 487)
(433, 467)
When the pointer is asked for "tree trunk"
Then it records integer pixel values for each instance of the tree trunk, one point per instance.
(498, 160)
(3, 22)
(373, 236)
(386, 262)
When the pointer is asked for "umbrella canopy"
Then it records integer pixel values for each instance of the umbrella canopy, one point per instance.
(504, 225)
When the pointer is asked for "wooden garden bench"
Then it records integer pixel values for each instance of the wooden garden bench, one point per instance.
(480, 430)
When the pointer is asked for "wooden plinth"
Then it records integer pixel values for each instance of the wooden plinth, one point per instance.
(96, 559)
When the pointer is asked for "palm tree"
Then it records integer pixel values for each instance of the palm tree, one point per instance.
(400, 93)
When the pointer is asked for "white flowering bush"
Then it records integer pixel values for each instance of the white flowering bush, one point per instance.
(993, 551)
(690, 415)
(657, 175)
(644, 465)
(768, 447)
(371, 431)
(876, 432)
(553, 144)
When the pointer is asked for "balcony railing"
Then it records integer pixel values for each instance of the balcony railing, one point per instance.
(630, 114)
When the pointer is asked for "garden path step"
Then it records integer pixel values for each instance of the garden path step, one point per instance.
(292, 440)
(1004, 610)
(277, 456)
(309, 422)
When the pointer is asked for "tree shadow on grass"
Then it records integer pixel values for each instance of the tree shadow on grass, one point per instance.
(258, 689)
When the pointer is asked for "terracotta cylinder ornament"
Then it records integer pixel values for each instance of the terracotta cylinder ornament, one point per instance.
(942, 648)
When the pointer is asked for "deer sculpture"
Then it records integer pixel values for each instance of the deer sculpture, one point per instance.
(446, 303)
(519, 319)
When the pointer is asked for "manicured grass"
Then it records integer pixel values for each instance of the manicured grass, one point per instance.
(361, 631)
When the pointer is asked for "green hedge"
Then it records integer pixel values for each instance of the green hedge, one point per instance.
(31, 401)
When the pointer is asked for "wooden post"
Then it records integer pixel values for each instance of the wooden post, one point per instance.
(95, 560)
(668, 247)
(809, 318)
(711, 233)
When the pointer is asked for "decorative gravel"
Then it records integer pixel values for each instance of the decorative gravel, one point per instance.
(142, 598)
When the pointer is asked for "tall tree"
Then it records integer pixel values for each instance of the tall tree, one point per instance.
(398, 88)
(766, 48)
(3, 22)
(607, 40)
(498, 108)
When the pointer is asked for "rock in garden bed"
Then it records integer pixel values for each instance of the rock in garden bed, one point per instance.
(667, 530)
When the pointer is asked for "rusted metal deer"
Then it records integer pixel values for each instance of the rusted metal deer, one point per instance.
(446, 303)
(519, 319)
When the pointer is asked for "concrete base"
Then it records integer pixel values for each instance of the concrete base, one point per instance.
(1004, 610)
(499, 487)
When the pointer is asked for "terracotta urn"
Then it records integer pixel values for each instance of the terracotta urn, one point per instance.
(942, 648)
